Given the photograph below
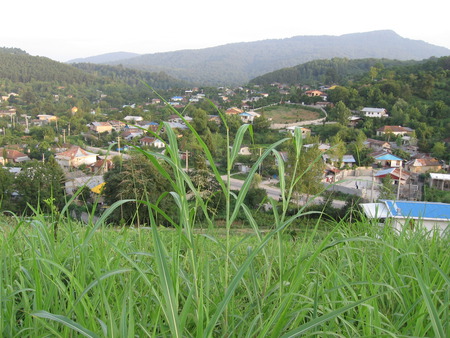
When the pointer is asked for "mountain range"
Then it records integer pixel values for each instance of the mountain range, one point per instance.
(238, 63)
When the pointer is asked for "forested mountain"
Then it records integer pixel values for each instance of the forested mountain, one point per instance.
(105, 58)
(19, 67)
(336, 70)
(237, 63)
(130, 76)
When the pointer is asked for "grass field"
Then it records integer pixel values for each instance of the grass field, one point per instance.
(291, 113)
(356, 280)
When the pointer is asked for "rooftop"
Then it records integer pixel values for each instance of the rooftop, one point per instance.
(408, 209)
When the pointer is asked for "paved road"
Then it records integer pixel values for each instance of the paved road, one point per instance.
(110, 153)
(275, 193)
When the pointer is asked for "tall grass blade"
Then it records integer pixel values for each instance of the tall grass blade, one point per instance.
(66, 322)
(432, 311)
(329, 316)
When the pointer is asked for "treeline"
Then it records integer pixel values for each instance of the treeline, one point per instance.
(335, 70)
(21, 67)
(131, 77)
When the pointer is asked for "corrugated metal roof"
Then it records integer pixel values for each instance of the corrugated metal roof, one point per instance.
(388, 157)
(424, 210)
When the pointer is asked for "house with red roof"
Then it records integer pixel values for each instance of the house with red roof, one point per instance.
(12, 156)
(75, 157)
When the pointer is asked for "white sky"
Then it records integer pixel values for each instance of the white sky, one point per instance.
(64, 30)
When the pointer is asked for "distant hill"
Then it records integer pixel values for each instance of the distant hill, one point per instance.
(18, 66)
(132, 77)
(105, 58)
(237, 63)
(336, 70)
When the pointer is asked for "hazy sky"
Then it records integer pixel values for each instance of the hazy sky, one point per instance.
(64, 30)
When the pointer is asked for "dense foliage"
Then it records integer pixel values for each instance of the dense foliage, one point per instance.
(330, 71)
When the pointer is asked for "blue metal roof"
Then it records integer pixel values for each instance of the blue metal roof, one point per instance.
(422, 210)
(388, 157)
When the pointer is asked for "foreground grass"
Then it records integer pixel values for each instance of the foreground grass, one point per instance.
(110, 284)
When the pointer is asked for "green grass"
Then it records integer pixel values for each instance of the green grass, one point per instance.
(134, 282)
(61, 278)
(291, 113)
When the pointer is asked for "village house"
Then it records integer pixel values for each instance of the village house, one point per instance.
(377, 145)
(398, 214)
(245, 151)
(152, 142)
(396, 174)
(374, 112)
(423, 165)
(75, 157)
(133, 119)
(45, 118)
(101, 127)
(117, 125)
(130, 133)
(215, 118)
(439, 181)
(8, 112)
(101, 166)
(394, 130)
(156, 101)
(305, 131)
(313, 93)
(234, 111)
(12, 156)
(388, 160)
(248, 117)
(346, 161)
(152, 126)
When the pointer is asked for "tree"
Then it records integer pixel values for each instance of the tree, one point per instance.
(439, 150)
(342, 113)
(306, 170)
(6, 188)
(38, 182)
(261, 124)
(387, 188)
(137, 179)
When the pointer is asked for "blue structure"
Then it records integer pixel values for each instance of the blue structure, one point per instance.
(431, 215)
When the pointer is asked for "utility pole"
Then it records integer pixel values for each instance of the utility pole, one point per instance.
(118, 144)
(64, 136)
(371, 189)
(399, 182)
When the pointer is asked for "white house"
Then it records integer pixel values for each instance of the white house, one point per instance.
(374, 112)
(131, 118)
(152, 142)
(305, 131)
(248, 117)
(431, 215)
